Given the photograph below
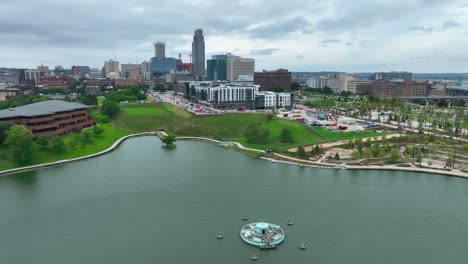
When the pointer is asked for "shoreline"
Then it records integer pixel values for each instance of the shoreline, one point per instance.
(284, 159)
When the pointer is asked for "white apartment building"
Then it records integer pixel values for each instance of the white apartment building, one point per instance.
(283, 100)
(268, 100)
(223, 95)
(340, 83)
(317, 82)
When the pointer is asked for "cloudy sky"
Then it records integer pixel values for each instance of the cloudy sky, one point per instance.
(301, 35)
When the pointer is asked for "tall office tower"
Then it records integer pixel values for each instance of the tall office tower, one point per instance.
(111, 66)
(43, 69)
(237, 66)
(216, 68)
(198, 53)
(160, 50)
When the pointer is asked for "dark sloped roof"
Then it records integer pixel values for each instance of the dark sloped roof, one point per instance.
(49, 107)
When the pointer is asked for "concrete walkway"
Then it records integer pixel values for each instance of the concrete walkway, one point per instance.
(239, 145)
(301, 162)
(284, 159)
(343, 142)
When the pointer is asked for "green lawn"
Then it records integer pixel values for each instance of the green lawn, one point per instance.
(136, 118)
(227, 127)
(150, 117)
(300, 133)
(103, 141)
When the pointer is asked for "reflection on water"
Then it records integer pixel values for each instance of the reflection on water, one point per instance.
(25, 179)
(147, 204)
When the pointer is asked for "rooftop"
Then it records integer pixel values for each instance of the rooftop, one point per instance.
(41, 108)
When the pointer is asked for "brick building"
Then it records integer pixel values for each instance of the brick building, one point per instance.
(10, 93)
(125, 82)
(98, 82)
(49, 118)
(56, 81)
(185, 67)
(399, 89)
(271, 79)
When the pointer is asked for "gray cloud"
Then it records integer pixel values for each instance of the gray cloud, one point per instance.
(427, 29)
(262, 52)
(300, 57)
(280, 28)
(90, 31)
(450, 24)
(326, 41)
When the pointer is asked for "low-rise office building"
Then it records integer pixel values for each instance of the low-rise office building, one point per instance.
(360, 87)
(10, 93)
(398, 89)
(48, 118)
(10, 79)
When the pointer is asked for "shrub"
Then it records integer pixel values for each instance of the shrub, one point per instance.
(337, 156)
(57, 145)
(301, 152)
(257, 135)
(286, 136)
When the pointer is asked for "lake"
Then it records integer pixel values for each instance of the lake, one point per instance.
(145, 204)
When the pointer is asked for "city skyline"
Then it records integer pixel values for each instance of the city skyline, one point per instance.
(419, 36)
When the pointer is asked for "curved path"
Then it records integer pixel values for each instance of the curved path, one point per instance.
(60, 162)
(284, 159)
(301, 162)
(239, 145)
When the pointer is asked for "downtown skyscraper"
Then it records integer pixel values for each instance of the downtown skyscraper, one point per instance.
(198, 54)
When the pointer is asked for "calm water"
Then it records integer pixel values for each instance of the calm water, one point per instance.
(145, 204)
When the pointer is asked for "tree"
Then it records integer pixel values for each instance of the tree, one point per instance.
(394, 156)
(3, 131)
(286, 136)
(57, 145)
(295, 86)
(19, 138)
(160, 87)
(317, 149)
(301, 152)
(169, 140)
(110, 108)
(43, 142)
(86, 138)
(449, 163)
(97, 131)
(89, 99)
(337, 156)
(277, 89)
(375, 150)
(355, 155)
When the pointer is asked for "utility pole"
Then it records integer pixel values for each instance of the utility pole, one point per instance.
(454, 153)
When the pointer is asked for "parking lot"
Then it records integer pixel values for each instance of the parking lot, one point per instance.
(326, 120)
